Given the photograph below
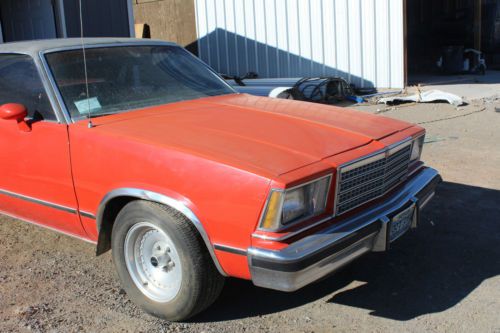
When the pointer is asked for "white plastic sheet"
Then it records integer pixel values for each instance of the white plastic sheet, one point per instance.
(425, 97)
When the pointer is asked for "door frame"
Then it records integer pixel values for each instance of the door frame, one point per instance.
(131, 20)
(1, 32)
(60, 19)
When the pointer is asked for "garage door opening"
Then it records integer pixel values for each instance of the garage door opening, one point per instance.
(442, 33)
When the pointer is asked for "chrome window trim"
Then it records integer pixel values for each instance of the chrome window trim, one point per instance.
(51, 79)
(167, 201)
(383, 153)
(58, 97)
(283, 190)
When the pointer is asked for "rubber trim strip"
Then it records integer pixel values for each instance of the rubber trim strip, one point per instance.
(230, 249)
(38, 201)
(87, 215)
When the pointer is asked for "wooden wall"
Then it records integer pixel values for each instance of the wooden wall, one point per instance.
(171, 20)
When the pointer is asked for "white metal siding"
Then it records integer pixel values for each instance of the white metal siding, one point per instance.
(360, 40)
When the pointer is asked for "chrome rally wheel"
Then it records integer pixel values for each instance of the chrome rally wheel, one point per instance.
(153, 262)
(163, 264)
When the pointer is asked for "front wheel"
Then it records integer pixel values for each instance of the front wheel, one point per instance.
(162, 262)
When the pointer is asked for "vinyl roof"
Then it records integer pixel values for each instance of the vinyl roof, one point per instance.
(35, 46)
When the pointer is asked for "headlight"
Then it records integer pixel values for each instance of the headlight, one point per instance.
(416, 150)
(296, 204)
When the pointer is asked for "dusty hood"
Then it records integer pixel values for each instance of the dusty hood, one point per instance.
(251, 132)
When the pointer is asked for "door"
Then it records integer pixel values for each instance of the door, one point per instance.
(35, 170)
(101, 18)
(27, 19)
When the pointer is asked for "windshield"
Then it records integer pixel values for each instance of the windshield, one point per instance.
(131, 77)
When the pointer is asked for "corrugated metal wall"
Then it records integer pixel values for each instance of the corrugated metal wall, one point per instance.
(360, 40)
(101, 18)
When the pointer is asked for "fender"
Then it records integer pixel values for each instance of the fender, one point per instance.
(162, 199)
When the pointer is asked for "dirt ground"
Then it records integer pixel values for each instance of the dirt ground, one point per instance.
(442, 277)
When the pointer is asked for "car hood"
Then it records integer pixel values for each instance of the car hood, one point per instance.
(253, 133)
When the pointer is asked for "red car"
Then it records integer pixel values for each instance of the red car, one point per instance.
(144, 150)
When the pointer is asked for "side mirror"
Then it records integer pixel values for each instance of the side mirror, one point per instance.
(17, 112)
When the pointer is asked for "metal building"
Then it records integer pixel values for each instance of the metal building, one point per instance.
(360, 40)
(381, 43)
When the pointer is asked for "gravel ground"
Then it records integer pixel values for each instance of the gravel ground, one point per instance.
(442, 277)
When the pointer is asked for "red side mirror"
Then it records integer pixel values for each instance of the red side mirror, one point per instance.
(17, 112)
(13, 111)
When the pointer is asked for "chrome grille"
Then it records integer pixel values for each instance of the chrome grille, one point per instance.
(372, 177)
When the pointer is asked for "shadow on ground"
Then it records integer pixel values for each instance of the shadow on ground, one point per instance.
(428, 270)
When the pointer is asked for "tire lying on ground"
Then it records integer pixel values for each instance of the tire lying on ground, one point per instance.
(162, 262)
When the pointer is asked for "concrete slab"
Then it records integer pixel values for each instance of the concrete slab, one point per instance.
(469, 87)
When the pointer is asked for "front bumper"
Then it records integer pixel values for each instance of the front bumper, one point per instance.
(318, 255)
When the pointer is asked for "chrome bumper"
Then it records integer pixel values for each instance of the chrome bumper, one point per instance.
(318, 255)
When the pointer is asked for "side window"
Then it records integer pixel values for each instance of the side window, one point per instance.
(20, 83)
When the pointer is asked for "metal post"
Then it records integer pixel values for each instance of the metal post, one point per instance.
(477, 24)
(405, 41)
(60, 19)
(130, 12)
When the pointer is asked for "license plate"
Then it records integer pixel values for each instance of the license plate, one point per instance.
(401, 223)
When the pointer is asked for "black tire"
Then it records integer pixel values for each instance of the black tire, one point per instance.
(201, 282)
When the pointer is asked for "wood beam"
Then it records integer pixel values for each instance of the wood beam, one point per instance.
(477, 24)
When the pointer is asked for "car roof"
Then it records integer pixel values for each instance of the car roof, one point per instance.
(34, 47)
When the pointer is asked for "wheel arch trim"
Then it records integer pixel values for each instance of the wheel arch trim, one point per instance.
(176, 204)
